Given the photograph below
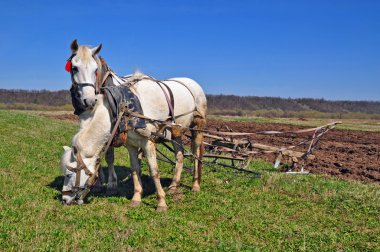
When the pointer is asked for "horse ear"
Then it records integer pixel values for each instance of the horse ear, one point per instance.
(66, 148)
(96, 49)
(74, 46)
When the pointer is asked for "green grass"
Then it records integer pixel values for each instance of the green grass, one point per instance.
(274, 212)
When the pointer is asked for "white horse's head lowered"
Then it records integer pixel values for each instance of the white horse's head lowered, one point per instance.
(80, 163)
(73, 190)
(84, 66)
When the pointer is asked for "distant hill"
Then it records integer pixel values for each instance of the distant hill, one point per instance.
(40, 97)
(217, 104)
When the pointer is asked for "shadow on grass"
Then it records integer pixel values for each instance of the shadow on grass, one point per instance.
(124, 188)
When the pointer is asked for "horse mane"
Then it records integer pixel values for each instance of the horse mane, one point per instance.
(102, 61)
(84, 53)
(137, 74)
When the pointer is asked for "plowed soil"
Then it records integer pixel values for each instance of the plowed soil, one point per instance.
(352, 155)
(347, 154)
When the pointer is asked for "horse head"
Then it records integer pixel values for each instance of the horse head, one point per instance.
(80, 173)
(85, 68)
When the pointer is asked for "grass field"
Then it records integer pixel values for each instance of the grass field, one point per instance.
(275, 212)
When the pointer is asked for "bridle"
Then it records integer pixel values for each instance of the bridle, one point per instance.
(76, 85)
(100, 80)
(78, 191)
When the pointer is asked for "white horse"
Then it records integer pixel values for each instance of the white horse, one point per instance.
(189, 102)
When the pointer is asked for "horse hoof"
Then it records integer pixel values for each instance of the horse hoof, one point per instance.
(196, 189)
(172, 190)
(162, 209)
(134, 203)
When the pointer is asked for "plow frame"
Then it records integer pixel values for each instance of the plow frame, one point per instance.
(240, 150)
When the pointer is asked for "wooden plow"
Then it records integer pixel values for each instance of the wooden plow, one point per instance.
(236, 150)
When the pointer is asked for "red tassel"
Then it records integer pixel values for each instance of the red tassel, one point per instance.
(68, 66)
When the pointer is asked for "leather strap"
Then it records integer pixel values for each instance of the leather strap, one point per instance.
(171, 108)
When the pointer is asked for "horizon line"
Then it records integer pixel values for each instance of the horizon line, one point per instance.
(244, 96)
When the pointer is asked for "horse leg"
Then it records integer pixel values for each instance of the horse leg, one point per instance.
(135, 168)
(140, 158)
(178, 151)
(150, 153)
(112, 177)
(197, 149)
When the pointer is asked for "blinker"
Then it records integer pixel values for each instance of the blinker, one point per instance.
(68, 66)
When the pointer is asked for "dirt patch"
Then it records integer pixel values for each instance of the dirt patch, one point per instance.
(353, 155)
(347, 154)
(64, 117)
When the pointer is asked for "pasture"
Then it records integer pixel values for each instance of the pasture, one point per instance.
(232, 211)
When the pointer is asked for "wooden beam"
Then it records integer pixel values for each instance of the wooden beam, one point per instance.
(290, 153)
(224, 157)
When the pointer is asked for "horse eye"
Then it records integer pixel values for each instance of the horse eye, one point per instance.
(75, 69)
(68, 175)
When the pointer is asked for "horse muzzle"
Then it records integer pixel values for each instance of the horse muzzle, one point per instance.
(68, 198)
(89, 103)
(80, 103)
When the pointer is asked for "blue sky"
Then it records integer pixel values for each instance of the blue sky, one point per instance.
(320, 49)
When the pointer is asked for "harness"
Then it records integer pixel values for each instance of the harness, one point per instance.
(124, 104)
(169, 100)
(119, 97)
(81, 193)
(169, 97)
(106, 72)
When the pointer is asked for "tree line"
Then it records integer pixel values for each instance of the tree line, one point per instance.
(233, 102)
(40, 97)
(215, 102)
